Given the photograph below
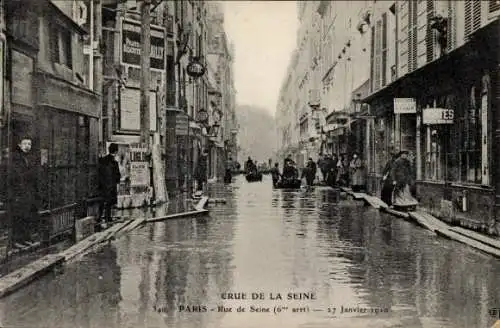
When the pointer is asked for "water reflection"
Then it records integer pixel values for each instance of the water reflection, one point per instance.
(270, 241)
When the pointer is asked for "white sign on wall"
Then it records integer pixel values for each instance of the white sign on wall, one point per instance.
(432, 116)
(130, 118)
(405, 106)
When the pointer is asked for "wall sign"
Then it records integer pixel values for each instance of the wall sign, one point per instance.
(405, 106)
(130, 118)
(432, 116)
(22, 71)
(131, 45)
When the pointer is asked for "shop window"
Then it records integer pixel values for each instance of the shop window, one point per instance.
(470, 147)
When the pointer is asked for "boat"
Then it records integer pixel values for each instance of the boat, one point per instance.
(289, 184)
(254, 176)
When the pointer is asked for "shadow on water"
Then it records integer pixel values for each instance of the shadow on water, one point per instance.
(267, 240)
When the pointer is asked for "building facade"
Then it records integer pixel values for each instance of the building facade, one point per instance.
(434, 93)
(317, 103)
(46, 96)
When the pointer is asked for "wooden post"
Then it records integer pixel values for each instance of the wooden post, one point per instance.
(145, 71)
(418, 150)
(98, 68)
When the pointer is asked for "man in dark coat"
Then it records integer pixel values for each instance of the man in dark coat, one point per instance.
(109, 178)
(331, 170)
(24, 195)
(201, 171)
(309, 172)
(387, 186)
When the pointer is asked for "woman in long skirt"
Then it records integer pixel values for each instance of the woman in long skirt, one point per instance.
(387, 186)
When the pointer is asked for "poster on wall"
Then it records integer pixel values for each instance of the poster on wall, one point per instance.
(131, 45)
(139, 167)
(130, 118)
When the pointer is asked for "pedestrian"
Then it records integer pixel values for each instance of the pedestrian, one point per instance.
(343, 173)
(275, 174)
(387, 182)
(402, 176)
(228, 176)
(323, 166)
(332, 170)
(309, 172)
(24, 195)
(109, 178)
(357, 173)
(201, 171)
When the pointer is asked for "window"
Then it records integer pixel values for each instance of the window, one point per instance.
(60, 45)
(170, 78)
(470, 145)
(494, 5)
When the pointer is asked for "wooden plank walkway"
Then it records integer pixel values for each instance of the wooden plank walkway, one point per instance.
(21, 277)
(375, 202)
(469, 241)
(389, 210)
(178, 215)
(477, 236)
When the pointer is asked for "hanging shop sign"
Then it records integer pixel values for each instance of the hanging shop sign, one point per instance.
(195, 68)
(432, 116)
(405, 106)
(202, 116)
(131, 45)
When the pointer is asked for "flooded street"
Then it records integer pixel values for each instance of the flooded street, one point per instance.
(329, 257)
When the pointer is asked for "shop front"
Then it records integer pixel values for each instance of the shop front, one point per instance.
(452, 133)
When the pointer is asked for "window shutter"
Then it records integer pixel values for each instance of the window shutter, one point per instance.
(378, 54)
(372, 61)
(384, 49)
(410, 37)
(452, 25)
(468, 18)
(476, 18)
(430, 37)
(494, 5)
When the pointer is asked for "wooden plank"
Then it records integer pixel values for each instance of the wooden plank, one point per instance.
(433, 220)
(477, 236)
(375, 201)
(81, 246)
(135, 223)
(201, 204)
(389, 210)
(178, 215)
(423, 222)
(469, 241)
(28, 273)
(358, 195)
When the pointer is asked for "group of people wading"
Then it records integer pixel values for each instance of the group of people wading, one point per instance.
(342, 172)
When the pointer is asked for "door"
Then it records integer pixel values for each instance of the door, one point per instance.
(485, 179)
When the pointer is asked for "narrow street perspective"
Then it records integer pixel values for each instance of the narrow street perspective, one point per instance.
(192, 163)
(307, 242)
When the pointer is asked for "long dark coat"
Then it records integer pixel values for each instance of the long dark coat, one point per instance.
(23, 184)
(109, 178)
(201, 168)
(402, 173)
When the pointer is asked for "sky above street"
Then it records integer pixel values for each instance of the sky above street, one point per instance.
(264, 34)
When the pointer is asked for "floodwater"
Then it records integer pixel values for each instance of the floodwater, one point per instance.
(287, 258)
